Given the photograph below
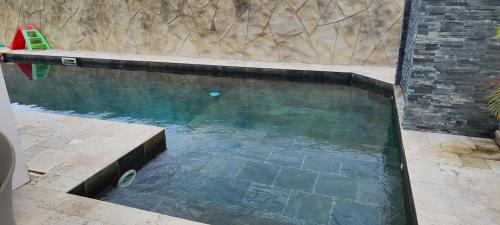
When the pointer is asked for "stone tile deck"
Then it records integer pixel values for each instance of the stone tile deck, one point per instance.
(383, 74)
(67, 151)
(454, 179)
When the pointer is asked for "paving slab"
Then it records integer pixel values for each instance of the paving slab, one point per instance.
(451, 184)
(64, 152)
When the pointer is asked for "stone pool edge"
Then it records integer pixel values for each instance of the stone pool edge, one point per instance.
(374, 79)
(398, 111)
(50, 197)
(134, 159)
(448, 187)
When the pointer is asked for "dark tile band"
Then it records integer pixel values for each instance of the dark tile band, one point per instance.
(344, 78)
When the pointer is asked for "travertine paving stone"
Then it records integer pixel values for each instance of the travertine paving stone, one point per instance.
(448, 186)
(69, 150)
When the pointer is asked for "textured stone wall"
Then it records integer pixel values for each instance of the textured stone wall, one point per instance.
(347, 32)
(450, 62)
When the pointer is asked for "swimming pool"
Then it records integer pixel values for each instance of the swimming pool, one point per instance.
(263, 152)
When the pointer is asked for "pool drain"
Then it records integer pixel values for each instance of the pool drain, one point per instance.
(127, 178)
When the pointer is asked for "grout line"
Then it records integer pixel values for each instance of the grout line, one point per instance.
(286, 203)
(331, 211)
(276, 176)
(239, 171)
(315, 183)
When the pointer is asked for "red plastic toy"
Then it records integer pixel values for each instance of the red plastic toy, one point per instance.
(28, 38)
(18, 42)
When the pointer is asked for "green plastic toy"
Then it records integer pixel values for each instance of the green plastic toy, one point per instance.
(34, 40)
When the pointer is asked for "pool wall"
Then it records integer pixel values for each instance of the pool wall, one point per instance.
(343, 32)
(409, 201)
(108, 177)
(368, 78)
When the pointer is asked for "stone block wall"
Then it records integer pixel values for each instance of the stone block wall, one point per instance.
(346, 32)
(451, 61)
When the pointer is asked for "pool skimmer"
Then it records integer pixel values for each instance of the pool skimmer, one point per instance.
(68, 61)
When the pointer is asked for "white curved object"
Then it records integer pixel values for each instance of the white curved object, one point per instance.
(9, 129)
(8, 160)
(127, 178)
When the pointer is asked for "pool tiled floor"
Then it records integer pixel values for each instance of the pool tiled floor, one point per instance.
(280, 191)
(268, 198)
(257, 172)
(296, 179)
(337, 186)
(309, 207)
(323, 163)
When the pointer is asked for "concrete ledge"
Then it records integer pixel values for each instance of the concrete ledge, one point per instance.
(378, 79)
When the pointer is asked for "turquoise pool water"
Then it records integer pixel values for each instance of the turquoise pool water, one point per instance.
(262, 152)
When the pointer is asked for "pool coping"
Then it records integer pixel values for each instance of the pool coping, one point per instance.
(446, 187)
(87, 156)
(397, 104)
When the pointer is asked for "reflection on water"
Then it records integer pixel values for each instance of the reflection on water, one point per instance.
(34, 71)
(259, 152)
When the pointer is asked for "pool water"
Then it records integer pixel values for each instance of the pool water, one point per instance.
(258, 152)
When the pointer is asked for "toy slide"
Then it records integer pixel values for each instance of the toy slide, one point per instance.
(34, 71)
(28, 38)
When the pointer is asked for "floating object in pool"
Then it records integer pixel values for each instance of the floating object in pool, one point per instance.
(127, 178)
(214, 93)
